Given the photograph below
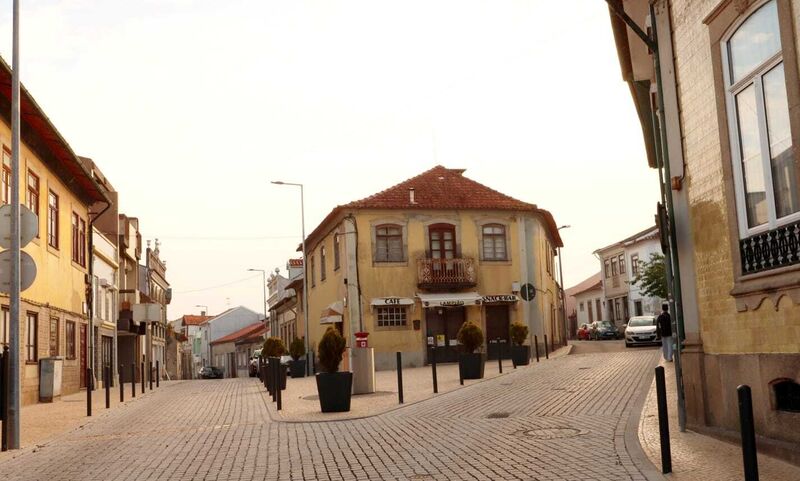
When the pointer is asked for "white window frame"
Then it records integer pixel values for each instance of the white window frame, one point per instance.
(754, 77)
(398, 322)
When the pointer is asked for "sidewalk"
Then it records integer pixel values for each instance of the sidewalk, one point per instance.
(300, 402)
(41, 422)
(695, 456)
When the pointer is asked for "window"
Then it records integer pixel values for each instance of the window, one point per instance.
(33, 192)
(336, 252)
(581, 306)
(69, 334)
(635, 264)
(6, 176)
(622, 263)
(547, 256)
(494, 242)
(599, 311)
(4, 326)
(607, 268)
(391, 316)
(322, 269)
(78, 239)
(637, 308)
(32, 338)
(388, 243)
(54, 337)
(765, 172)
(614, 267)
(313, 273)
(52, 219)
(787, 396)
(591, 314)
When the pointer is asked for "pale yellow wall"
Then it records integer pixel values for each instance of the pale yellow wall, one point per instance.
(59, 281)
(723, 329)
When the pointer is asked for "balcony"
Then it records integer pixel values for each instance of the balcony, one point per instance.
(446, 273)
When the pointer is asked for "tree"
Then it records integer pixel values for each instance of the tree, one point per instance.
(652, 277)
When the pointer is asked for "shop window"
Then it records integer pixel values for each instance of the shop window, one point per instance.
(391, 316)
(787, 395)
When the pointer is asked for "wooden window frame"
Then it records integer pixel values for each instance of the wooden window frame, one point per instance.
(313, 272)
(635, 264)
(34, 192)
(57, 351)
(614, 268)
(622, 263)
(53, 211)
(31, 347)
(322, 267)
(607, 268)
(494, 238)
(386, 239)
(336, 252)
(5, 324)
(70, 339)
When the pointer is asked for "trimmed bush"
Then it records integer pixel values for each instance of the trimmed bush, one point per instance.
(331, 348)
(273, 347)
(297, 348)
(519, 332)
(470, 336)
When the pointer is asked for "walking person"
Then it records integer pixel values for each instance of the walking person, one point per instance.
(664, 327)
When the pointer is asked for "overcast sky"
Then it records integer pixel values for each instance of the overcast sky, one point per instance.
(190, 107)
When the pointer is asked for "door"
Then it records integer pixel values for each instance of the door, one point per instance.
(443, 325)
(232, 364)
(107, 348)
(497, 327)
(442, 241)
(83, 340)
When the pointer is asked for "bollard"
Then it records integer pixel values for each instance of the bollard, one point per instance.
(546, 353)
(107, 385)
(313, 363)
(150, 374)
(4, 371)
(260, 369)
(121, 384)
(400, 377)
(158, 372)
(460, 375)
(89, 391)
(663, 421)
(433, 368)
(142, 375)
(749, 452)
(500, 355)
(133, 380)
(536, 346)
(278, 378)
(274, 383)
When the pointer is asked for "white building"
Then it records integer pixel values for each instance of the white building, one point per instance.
(620, 263)
(220, 326)
(589, 302)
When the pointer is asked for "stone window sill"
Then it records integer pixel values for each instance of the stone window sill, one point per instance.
(751, 290)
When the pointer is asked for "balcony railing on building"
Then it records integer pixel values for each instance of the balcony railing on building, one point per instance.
(446, 273)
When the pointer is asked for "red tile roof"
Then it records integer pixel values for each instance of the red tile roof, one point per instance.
(251, 330)
(189, 320)
(593, 282)
(296, 262)
(441, 188)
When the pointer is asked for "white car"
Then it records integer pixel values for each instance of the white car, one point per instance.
(641, 330)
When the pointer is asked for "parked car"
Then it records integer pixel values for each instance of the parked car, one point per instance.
(583, 332)
(603, 330)
(211, 372)
(642, 330)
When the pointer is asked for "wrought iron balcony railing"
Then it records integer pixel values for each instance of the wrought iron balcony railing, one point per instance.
(446, 273)
(772, 249)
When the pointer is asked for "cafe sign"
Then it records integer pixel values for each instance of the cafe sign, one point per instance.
(500, 299)
(392, 301)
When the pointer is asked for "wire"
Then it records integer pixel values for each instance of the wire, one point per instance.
(226, 238)
(219, 286)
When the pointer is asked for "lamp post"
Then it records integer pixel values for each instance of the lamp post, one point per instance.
(563, 298)
(264, 279)
(305, 260)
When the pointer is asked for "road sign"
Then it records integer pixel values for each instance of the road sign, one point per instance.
(28, 226)
(27, 271)
(528, 292)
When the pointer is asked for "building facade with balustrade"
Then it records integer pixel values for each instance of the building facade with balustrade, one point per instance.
(411, 264)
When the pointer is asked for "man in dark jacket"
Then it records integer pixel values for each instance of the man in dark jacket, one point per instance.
(664, 326)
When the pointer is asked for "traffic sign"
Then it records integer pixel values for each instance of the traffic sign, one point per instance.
(528, 292)
(28, 226)
(27, 271)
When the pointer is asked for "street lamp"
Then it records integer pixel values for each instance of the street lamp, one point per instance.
(264, 278)
(205, 312)
(563, 298)
(305, 259)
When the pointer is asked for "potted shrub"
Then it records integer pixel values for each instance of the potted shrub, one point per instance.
(297, 349)
(274, 347)
(470, 363)
(520, 355)
(334, 387)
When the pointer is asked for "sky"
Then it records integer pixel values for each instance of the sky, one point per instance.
(192, 107)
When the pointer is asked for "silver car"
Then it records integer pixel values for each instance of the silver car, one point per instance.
(641, 330)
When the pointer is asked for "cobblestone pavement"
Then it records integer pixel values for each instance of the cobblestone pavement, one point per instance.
(568, 418)
(695, 456)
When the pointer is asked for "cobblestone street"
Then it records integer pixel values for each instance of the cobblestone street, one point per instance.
(574, 417)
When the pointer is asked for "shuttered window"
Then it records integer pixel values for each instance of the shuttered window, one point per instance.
(388, 243)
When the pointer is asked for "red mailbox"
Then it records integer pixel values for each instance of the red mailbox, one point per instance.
(361, 339)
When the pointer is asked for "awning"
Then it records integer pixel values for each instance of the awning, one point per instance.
(450, 299)
(332, 313)
(500, 299)
(392, 301)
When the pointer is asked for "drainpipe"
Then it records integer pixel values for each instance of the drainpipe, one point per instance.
(90, 288)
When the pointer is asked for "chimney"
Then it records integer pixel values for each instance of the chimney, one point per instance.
(411, 196)
(202, 313)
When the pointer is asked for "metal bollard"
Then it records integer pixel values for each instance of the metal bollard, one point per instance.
(89, 391)
(4, 371)
(121, 385)
(150, 374)
(275, 381)
(433, 368)
(278, 378)
(313, 363)
(749, 452)
(107, 385)
(158, 373)
(133, 380)
(546, 353)
(500, 355)
(536, 346)
(400, 377)
(142, 375)
(663, 421)
(460, 375)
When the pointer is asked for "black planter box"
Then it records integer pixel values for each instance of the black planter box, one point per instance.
(471, 365)
(521, 355)
(334, 389)
(282, 370)
(297, 368)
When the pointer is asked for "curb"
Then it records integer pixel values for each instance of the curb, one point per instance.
(632, 443)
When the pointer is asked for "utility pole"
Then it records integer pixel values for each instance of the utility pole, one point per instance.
(563, 298)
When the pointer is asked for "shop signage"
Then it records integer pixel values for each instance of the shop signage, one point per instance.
(392, 301)
(452, 303)
(528, 292)
(504, 298)
(440, 340)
